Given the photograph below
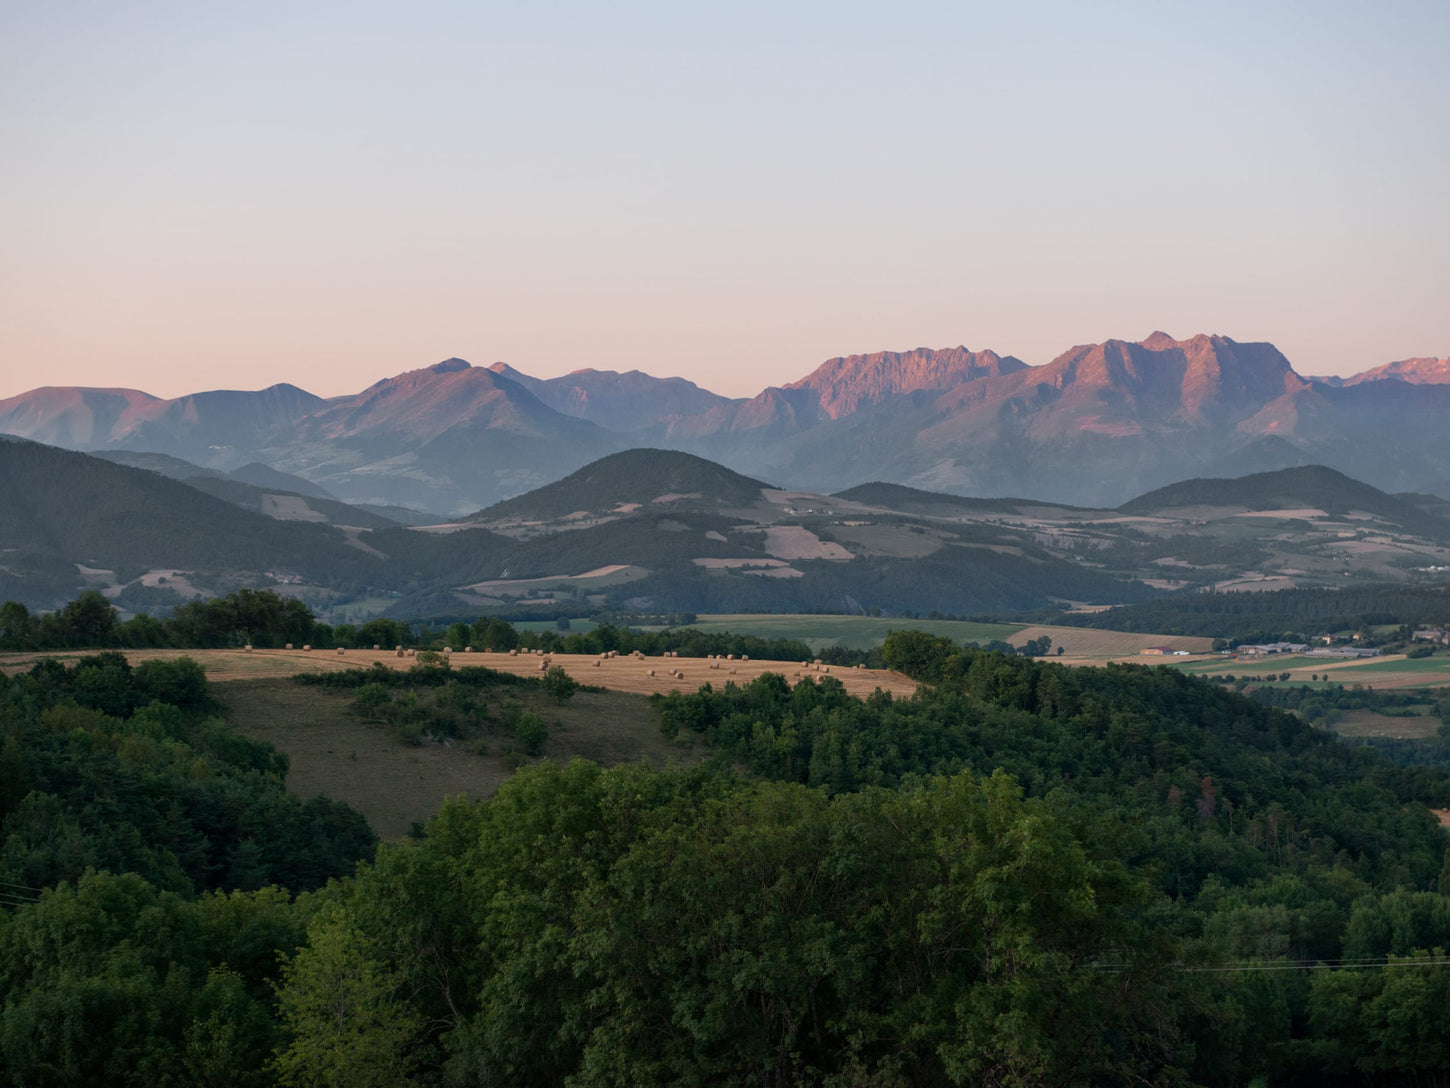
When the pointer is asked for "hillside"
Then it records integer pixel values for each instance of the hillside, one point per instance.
(1419, 371)
(632, 478)
(1309, 487)
(165, 464)
(270, 479)
(914, 500)
(61, 511)
(289, 505)
(624, 402)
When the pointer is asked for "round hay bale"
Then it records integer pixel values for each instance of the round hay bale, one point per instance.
(307, 647)
(247, 648)
(288, 646)
(400, 652)
(340, 650)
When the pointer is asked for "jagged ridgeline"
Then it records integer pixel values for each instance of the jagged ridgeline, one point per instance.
(1025, 873)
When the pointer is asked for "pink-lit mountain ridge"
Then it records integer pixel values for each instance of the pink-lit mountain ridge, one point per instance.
(1099, 423)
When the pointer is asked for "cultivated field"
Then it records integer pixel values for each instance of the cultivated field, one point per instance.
(627, 674)
(1367, 723)
(852, 632)
(1086, 646)
(1381, 673)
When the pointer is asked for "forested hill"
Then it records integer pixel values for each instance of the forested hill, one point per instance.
(633, 477)
(1305, 487)
(1025, 874)
(1271, 614)
(61, 507)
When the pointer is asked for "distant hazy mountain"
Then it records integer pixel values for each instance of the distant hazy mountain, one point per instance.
(842, 387)
(1098, 424)
(624, 402)
(450, 437)
(1424, 371)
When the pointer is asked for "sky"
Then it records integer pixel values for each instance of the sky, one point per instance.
(198, 196)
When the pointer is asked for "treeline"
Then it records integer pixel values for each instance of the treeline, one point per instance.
(268, 621)
(1266, 617)
(249, 616)
(496, 634)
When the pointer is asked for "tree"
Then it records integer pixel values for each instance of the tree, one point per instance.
(558, 684)
(18, 628)
(531, 733)
(87, 621)
(338, 1003)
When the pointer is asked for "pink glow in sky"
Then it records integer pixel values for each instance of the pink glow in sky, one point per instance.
(226, 195)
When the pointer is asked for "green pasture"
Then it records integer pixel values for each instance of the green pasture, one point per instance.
(1435, 671)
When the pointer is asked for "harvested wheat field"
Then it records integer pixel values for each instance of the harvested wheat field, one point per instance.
(641, 676)
(1089, 646)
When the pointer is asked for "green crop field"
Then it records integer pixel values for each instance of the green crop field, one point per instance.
(852, 632)
(1397, 672)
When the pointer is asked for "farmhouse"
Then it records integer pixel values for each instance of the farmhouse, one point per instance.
(1272, 648)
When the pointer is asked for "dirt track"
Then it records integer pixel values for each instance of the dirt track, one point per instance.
(616, 673)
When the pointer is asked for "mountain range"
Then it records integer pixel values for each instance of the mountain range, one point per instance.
(661, 530)
(1097, 425)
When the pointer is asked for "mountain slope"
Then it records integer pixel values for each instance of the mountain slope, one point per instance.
(912, 500)
(638, 477)
(267, 477)
(1420, 371)
(60, 509)
(76, 418)
(1097, 425)
(449, 437)
(1310, 487)
(630, 401)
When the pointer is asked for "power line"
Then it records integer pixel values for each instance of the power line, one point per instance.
(1257, 966)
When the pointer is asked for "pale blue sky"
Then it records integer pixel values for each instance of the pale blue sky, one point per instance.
(227, 195)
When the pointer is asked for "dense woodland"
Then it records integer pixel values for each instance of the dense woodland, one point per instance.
(1024, 875)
